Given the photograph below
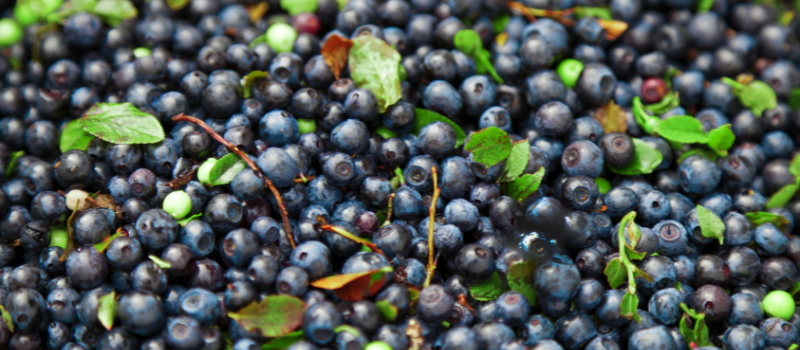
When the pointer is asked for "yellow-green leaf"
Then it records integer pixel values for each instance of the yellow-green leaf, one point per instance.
(6, 318)
(517, 160)
(644, 161)
(225, 169)
(374, 66)
(782, 197)
(710, 224)
(284, 342)
(762, 217)
(489, 146)
(684, 129)
(251, 78)
(628, 307)
(121, 123)
(488, 290)
(425, 117)
(387, 310)
(721, 139)
(107, 310)
(73, 137)
(525, 185)
(274, 316)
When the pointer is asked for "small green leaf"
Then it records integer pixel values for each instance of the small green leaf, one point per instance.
(720, 139)
(425, 117)
(296, 7)
(58, 236)
(121, 123)
(225, 169)
(628, 307)
(758, 96)
(107, 310)
(684, 129)
(488, 290)
(794, 166)
(644, 161)
(251, 78)
(782, 197)
(273, 316)
(103, 245)
(385, 132)
(284, 342)
(73, 137)
(710, 224)
(160, 263)
(469, 42)
(187, 219)
(525, 185)
(261, 39)
(12, 164)
(28, 12)
(616, 273)
(762, 217)
(499, 23)
(489, 146)
(633, 254)
(387, 310)
(114, 12)
(704, 5)
(702, 152)
(520, 280)
(667, 103)
(794, 99)
(374, 66)
(177, 5)
(793, 347)
(678, 286)
(647, 122)
(602, 185)
(517, 160)
(597, 12)
(6, 318)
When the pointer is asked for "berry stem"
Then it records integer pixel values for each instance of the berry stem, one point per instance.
(389, 211)
(353, 238)
(431, 222)
(284, 214)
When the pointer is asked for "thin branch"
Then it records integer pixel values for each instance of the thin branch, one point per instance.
(389, 211)
(431, 223)
(267, 183)
(353, 238)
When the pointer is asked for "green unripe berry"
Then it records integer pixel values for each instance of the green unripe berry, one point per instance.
(10, 32)
(178, 204)
(378, 345)
(58, 237)
(778, 303)
(570, 70)
(141, 52)
(281, 37)
(468, 42)
(306, 125)
(204, 171)
(24, 14)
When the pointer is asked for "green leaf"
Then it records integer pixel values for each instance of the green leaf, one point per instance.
(251, 78)
(284, 342)
(525, 185)
(702, 152)
(73, 137)
(684, 129)
(782, 197)
(187, 219)
(6, 318)
(387, 310)
(499, 23)
(720, 139)
(489, 146)
(667, 103)
(58, 236)
(616, 273)
(597, 12)
(520, 279)
(160, 263)
(793, 347)
(794, 166)
(28, 12)
(517, 160)
(628, 307)
(762, 217)
(274, 316)
(114, 12)
(225, 169)
(704, 5)
(633, 254)
(425, 117)
(758, 96)
(177, 5)
(794, 99)
(295, 7)
(107, 310)
(374, 66)
(602, 185)
(678, 286)
(647, 122)
(12, 164)
(261, 39)
(488, 290)
(121, 123)
(710, 224)
(103, 245)
(644, 161)
(347, 328)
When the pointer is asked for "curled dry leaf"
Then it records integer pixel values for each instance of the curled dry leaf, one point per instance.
(611, 117)
(335, 53)
(613, 28)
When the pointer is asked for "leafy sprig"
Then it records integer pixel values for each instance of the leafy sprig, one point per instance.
(117, 123)
(620, 269)
(698, 335)
(782, 197)
(645, 160)
(469, 42)
(757, 95)
(762, 217)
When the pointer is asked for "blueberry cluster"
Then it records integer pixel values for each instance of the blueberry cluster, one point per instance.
(399, 174)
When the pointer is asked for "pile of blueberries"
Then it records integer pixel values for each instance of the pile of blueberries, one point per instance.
(339, 163)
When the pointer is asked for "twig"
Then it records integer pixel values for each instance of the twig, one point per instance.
(389, 211)
(267, 183)
(184, 177)
(431, 223)
(353, 238)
